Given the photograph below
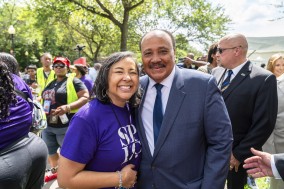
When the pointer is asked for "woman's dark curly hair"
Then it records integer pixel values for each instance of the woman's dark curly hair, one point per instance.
(11, 62)
(7, 95)
(101, 84)
(83, 70)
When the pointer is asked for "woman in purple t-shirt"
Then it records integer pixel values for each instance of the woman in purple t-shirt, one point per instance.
(22, 154)
(101, 148)
(80, 70)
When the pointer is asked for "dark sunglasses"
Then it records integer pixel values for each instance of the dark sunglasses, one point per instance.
(58, 66)
(221, 50)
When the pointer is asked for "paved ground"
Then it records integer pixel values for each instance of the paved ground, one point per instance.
(51, 185)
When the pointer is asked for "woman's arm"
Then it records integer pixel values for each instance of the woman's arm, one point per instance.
(83, 96)
(71, 174)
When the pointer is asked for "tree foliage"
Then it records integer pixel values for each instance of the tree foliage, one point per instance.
(105, 26)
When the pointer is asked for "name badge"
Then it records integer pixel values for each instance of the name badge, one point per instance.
(53, 119)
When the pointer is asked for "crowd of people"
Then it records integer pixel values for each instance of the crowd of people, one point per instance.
(201, 124)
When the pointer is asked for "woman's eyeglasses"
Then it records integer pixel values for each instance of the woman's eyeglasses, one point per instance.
(221, 50)
(58, 66)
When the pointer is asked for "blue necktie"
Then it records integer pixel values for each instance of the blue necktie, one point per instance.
(158, 112)
(227, 81)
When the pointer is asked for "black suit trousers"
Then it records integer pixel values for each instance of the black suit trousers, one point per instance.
(237, 180)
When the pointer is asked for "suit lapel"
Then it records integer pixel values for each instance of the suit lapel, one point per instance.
(243, 73)
(174, 103)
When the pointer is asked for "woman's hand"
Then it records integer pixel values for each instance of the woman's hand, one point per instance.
(129, 176)
(34, 85)
(61, 110)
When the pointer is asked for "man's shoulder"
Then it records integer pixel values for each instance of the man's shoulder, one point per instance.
(143, 81)
(39, 69)
(260, 71)
(259, 74)
(194, 74)
(218, 70)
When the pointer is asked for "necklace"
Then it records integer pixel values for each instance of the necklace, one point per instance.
(130, 118)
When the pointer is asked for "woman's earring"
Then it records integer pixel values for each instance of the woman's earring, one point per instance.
(104, 93)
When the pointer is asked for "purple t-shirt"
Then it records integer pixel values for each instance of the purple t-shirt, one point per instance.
(18, 123)
(102, 137)
(88, 82)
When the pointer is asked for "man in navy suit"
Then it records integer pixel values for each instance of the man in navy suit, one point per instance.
(264, 164)
(250, 95)
(193, 145)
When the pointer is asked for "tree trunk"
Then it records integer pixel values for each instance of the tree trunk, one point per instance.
(124, 31)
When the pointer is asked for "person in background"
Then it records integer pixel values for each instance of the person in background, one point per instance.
(11, 62)
(264, 164)
(188, 60)
(44, 74)
(31, 81)
(101, 148)
(183, 123)
(80, 69)
(276, 64)
(190, 63)
(275, 143)
(62, 98)
(203, 58)
(93, 72)
(24, 75)
(212, 60)
(22, 154)
(250, 95)
(31, 71)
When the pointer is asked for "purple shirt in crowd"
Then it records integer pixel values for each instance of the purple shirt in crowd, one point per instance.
(18, 123)
(86, 79)
(102, 137)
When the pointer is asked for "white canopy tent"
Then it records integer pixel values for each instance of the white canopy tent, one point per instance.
(261, 48)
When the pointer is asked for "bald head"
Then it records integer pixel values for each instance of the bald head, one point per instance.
(232, 50)
(236, 40)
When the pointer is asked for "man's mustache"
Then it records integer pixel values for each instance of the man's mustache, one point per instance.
(157, 65)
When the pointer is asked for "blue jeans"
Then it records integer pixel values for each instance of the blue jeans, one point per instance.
(23, 163)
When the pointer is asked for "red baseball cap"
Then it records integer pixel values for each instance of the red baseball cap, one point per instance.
(80, 62)
(61, 60)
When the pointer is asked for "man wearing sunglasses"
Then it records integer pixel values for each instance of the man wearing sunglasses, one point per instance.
(250, 94)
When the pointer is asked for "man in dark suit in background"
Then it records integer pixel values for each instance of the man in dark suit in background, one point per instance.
(183, 123)
(264, 164)
(250, 95)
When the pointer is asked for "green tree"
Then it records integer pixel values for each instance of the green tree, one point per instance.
(16, 14)
(197, 20)
(104, 26)
(117, 13)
